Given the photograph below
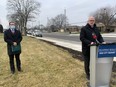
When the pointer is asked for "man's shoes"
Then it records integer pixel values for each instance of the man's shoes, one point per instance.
(19, 70)
(12, 72)
(88, 77)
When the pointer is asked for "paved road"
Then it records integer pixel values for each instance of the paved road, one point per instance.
(75, 38)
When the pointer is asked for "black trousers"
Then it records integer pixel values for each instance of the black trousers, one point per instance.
(86, 65)
(18, 62)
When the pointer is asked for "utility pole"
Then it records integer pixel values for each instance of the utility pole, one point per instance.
(39, 25)
(48, 26)
(65, 19)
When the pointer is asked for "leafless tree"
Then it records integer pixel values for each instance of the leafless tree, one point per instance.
(60, 21)
(16, 18)
(105, 15)
(114, 14)
(22, 11)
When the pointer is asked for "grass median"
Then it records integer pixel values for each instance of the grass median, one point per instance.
(43, 65)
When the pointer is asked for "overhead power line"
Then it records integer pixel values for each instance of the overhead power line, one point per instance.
(78, 22)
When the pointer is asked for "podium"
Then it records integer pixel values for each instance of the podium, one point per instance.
(101, 61)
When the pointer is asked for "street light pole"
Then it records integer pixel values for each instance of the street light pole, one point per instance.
(65, 19)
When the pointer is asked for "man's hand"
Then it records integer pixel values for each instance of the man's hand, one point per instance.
(92, 43)
(103, 42)
(14, 43)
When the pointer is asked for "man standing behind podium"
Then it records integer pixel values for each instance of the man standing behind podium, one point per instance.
(13, 38)
(89, 35)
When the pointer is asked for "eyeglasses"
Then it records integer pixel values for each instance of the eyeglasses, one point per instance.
(91, 20)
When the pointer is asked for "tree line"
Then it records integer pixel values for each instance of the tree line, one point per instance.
(24, 11)
(106, 16)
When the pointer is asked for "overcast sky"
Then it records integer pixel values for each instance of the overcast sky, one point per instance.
(76, 10)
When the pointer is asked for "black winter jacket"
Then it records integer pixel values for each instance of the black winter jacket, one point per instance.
(86, 37)
(9, 38)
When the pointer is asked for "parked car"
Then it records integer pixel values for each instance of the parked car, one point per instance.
(37, 33)
(29, 32)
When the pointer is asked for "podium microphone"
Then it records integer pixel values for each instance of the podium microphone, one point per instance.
(95, 37)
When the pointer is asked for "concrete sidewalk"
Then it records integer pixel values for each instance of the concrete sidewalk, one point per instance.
(104, 35)
(65, 43)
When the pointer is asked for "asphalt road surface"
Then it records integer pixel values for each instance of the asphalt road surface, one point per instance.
(75, 38)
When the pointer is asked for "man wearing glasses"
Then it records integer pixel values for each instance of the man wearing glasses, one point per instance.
(89, 35)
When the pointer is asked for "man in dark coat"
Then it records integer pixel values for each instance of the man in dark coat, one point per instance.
(13, 39)
(89, 35)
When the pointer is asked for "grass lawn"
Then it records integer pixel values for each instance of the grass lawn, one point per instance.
(43, 65)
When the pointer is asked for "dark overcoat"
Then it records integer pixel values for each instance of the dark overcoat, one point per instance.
(10, 37)
(86, 37)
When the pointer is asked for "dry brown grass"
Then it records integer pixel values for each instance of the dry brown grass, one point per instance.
(43, 65)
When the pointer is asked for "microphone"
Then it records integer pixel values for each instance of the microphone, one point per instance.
(95, 37)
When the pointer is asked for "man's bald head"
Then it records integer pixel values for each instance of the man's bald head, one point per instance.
(91, 18)
(91, 21)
